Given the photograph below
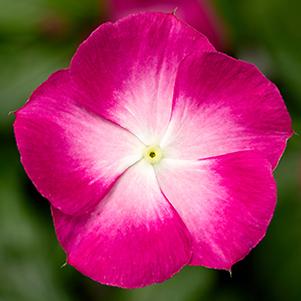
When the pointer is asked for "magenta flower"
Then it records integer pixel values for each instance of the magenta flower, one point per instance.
(198, 13)
(155, 152)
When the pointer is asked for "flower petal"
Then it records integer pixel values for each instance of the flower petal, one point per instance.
(222, 105)
(226, 202)
(132, 239)
(128, 68)
(198, 13)
(72, 156)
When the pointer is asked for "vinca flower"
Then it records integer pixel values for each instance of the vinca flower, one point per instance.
(155, 152)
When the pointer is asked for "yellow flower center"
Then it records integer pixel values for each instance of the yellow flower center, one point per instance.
(153, 154)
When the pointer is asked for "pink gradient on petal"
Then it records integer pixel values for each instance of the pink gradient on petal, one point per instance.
(71, 155)
(132, 239)
(219, 124)
(198, 13)
(128, 69)
(226, 202)
(222, 105)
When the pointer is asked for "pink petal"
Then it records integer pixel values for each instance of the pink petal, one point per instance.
(132, 239)
(72, 156)
(226, 202)
(128, 69)
(198, 13)
(223, 105)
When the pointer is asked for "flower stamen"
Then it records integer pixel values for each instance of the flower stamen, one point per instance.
(153, 154)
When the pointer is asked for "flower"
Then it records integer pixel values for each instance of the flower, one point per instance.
(198, 13)
(155, 152)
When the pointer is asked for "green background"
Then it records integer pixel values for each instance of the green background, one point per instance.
(38, 37)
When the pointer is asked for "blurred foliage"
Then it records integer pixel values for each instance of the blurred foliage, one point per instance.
(273, 27)
(38, 37)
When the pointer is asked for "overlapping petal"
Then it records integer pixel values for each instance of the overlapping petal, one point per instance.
(226, 202)
(132, 239)
(129, 68)
(222, 105)
(72, 155)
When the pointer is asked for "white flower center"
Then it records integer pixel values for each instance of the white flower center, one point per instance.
(153, 154)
